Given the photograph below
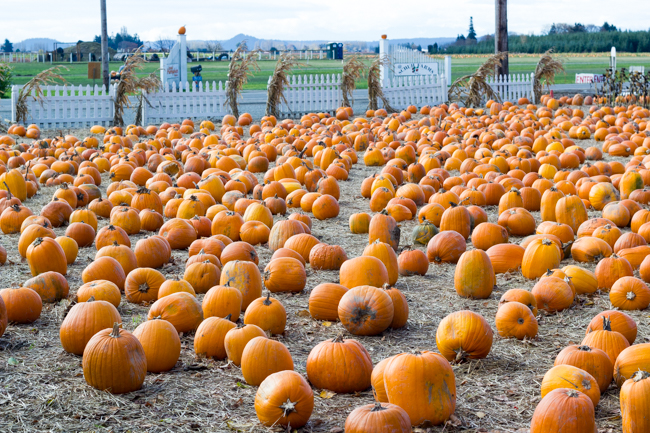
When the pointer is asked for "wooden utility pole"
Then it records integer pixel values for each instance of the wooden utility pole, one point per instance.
(501, 33)
(105, 66)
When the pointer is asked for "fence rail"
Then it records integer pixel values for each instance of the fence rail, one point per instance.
(312, 94)
(513, 86)
(418, 90)
(67, 106)
(178, 102)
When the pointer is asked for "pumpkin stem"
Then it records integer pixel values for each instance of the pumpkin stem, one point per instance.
(288, 407)
(116, 330)
(267, 301)
(37, 242)
(8, 190)
(228, 317)
(144, 288)
(640, 375)
(378, 407)
(461, 355)
(338, 338)
(630, 295)
(607, 324)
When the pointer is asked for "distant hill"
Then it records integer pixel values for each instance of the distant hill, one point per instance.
(35, 44)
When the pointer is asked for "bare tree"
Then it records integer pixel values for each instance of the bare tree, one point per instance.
(163, 44)
(213, 47)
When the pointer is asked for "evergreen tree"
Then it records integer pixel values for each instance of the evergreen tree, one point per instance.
(7, 47)
(471, 34)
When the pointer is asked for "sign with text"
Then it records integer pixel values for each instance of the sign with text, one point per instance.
(589, 78)
(407, 69)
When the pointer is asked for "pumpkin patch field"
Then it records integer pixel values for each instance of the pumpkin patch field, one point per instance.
(436, 269)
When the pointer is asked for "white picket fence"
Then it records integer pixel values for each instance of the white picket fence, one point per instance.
(418, 90)
(311, 94)
(68, 106)
(178, 102)
(513, 86)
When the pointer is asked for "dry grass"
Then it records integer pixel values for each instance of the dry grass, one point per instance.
(131, 84)
(238, 73)
(472, 90)
(353, 69)
(34, 89)
(374, 85)
(280, 78)
(43, 388)
(545, 70)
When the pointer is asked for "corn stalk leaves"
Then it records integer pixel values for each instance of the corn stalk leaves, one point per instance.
(545, 70)
(471, 90)
(353, 69)
(34, 89)
(279, 80)
(131, 84)
(238, 72)
(374, 84)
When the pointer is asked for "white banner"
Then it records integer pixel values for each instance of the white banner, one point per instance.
(589, 78)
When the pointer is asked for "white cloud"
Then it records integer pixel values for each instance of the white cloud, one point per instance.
(71, 20)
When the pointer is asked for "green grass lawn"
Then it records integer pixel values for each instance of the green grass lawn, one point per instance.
(217, 71)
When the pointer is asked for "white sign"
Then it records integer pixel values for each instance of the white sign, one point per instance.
(173, 68)
(589, 78)
(406, 69)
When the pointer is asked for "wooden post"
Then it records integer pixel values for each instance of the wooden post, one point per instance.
(105, 66)
(501, 33)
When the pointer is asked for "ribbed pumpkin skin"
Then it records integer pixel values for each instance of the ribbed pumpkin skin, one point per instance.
(522, 296)
(505, 257)
(114, 360)
(51, 286)
(568, 376)
(384, 228)
(631, 360)
(342, 366)
(423, 384)
(464, 335)
(84, 320)
(514, 319)
(564, 410)
(540, 255)
(246, 277)
(210, 336)
(236, 340)
(366, 310)
(142, 285)
(363, 270)
(324, 301)
(553, 294)
(275, 391)
(474, 276)
(386, 254)
(285, 274)
(267, 313)
(161, 344)
(377, 380)
(590, 359)
(104, 268)
(221, 301)
(181, 309)
(45, 255)
(23, 304)
(619, 322)
(635, 403)
(446, 247)
(275, 355)
(610, 342)
(378, 418)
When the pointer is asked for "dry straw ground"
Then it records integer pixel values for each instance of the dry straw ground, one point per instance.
(43, 388)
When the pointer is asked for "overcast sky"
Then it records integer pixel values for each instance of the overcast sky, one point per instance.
(72, 20)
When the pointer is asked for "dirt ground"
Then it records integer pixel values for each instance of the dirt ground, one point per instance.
(43, 388)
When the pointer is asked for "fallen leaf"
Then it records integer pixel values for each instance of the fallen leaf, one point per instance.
(327, 394)
(327, 324)
(242, 385)
(303, 313)
(480, 414)
(13, 361)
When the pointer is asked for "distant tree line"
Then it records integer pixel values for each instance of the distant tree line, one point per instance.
(563, 38)
(121, 40)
